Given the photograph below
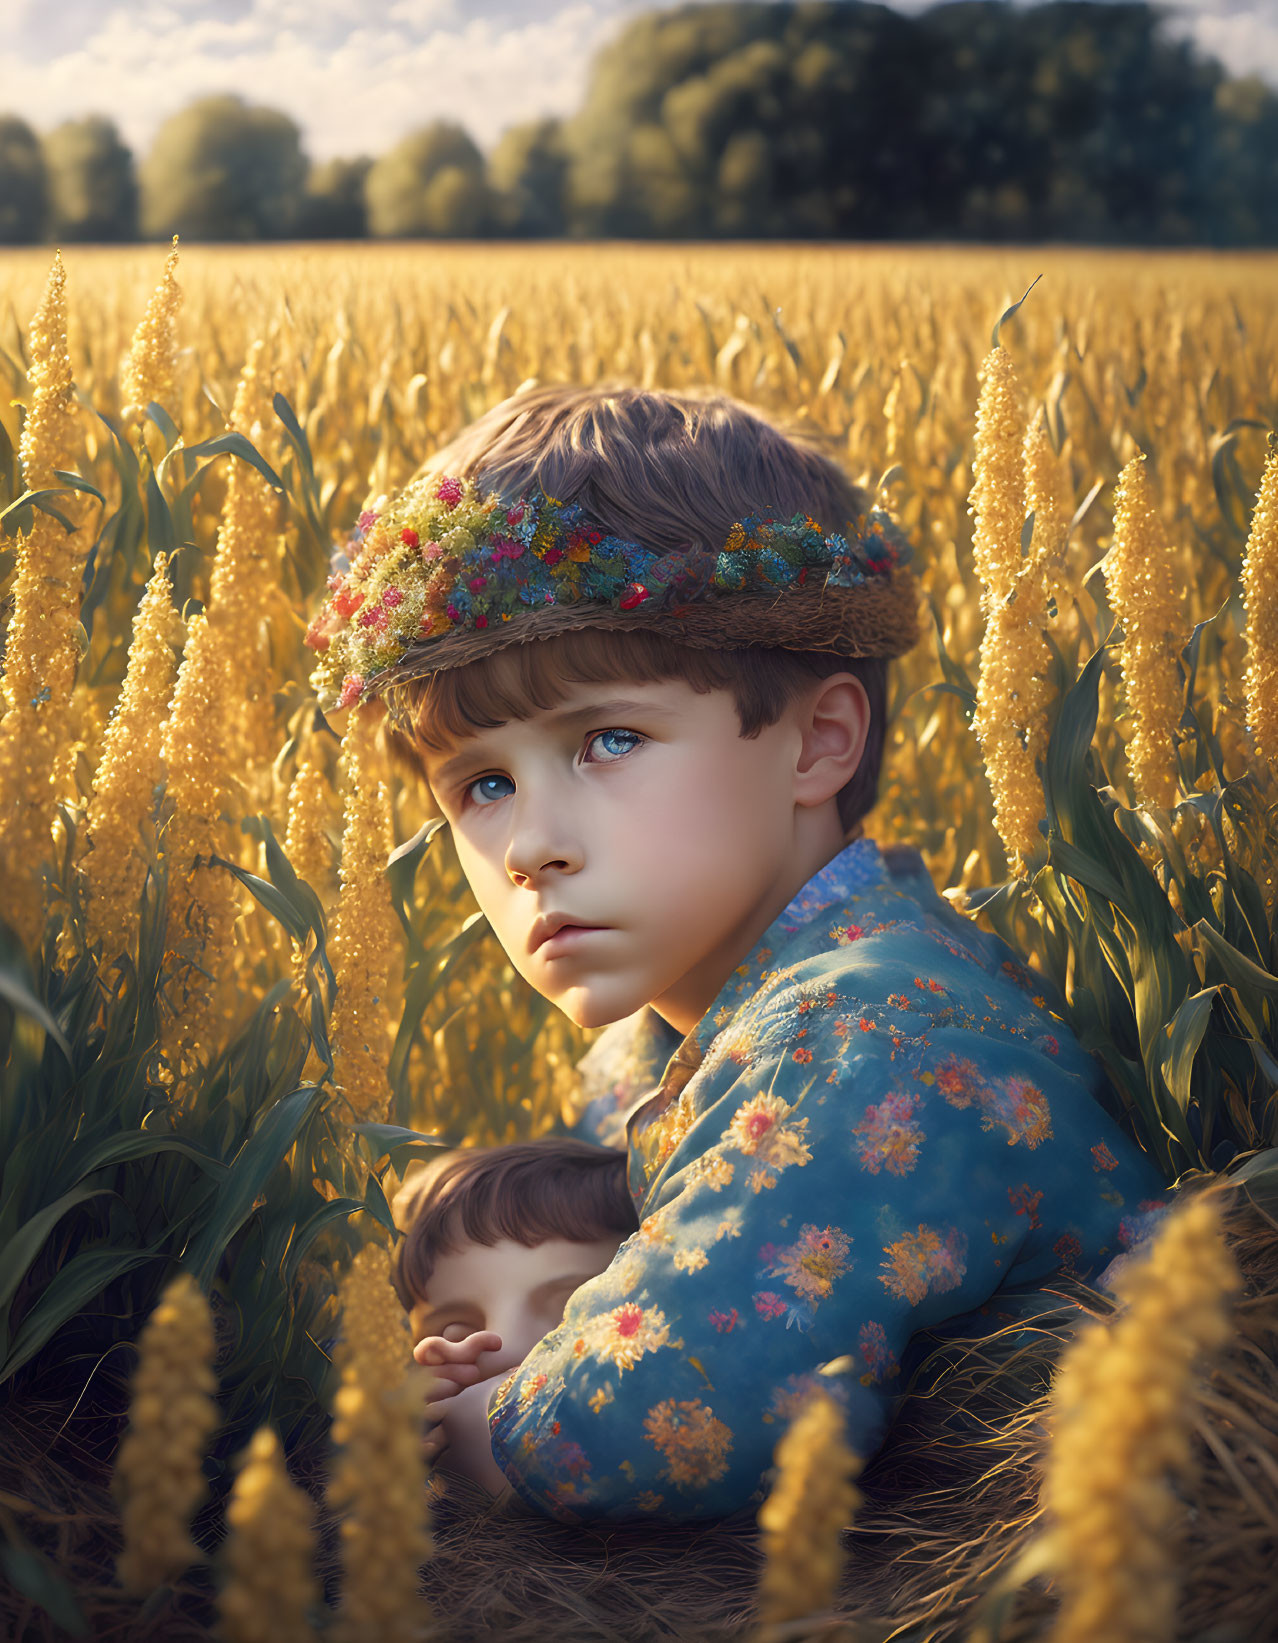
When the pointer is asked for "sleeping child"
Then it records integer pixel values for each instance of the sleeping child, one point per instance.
(638, 642)
(495, 1241)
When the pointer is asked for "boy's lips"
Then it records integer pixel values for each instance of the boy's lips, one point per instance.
(558, 929)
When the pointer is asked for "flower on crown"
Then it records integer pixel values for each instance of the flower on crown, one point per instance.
(440, 556)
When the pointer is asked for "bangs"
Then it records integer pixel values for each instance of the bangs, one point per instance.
(444, 708)
(527, 1191)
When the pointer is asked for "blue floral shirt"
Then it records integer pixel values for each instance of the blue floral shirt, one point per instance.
(879, 1124)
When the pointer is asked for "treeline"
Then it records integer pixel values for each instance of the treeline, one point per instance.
(1074, 121)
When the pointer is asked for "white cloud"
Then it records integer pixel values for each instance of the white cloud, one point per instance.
(355, 76)
(1243, 34)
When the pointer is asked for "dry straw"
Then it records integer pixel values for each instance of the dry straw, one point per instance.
(1140, 575)
(159, 1475)
(811, 1503)
(269, 1590)
(42, 646)
(1120, 1427)
(1260, 595)
(120, 826)
(378, 1481)
(366, 933)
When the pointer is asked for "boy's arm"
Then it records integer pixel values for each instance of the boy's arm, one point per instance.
(821, 1206)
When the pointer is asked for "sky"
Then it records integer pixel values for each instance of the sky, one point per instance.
(357, 75)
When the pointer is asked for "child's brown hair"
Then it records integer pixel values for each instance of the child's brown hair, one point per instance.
(668, 470)
(528, 1191)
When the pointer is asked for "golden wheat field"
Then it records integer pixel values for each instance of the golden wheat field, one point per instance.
(1127, 403)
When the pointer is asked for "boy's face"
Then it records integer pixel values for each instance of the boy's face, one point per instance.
(640, 811)
(518, 1292)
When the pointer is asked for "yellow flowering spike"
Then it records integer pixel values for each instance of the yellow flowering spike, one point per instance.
(269, 1589)
(811, 1503)
(1120, 1423)
(366, 934)
(1260, 596)
(1140, 574)
(159, 1476)
(1011, 714)
(1011, 698)
(378, 1482)
(1046, 499)
(373, 1324)
(246, 568)
(997, 502)
(42, 647)
(149, 368)
(312, 805)
(120, 829)
(202, 901)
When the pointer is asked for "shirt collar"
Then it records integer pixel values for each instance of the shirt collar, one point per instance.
(656, 1044)
(858, 866)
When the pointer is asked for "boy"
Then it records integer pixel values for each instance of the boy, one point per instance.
(639, 641)
(495, 1241)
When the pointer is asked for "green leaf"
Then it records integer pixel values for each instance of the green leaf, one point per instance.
(160, 534)
(165, 423)
(376, 1205)
(1184, 1037)
(306, 1231)
(276, 903)
(1239, 970)
(296, 434)
(133, 1144)
(38, 499)
(17, 989)
(1007, 314)
(249, 1172)
(67, 1293)
(1259, 1175)
(1078, 864)
(30, 1572)
(237, 445)
(301, 445)
(300, 896)
(392, 1142)
(27, 1242)
(77, 482)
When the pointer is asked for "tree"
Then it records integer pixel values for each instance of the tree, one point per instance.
(222, 170)
(432, 184)
(743, 119)
(332, 206)
(527, 171)
(93, 191)
(22, 183)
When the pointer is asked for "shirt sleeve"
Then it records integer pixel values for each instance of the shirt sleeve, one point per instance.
(813, 1203)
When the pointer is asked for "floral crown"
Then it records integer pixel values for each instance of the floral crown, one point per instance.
(439, 557)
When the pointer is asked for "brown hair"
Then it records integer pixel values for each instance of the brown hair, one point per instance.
(671, 470)
(528, 1191)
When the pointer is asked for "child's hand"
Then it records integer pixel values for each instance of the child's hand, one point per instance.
(458, 1440)
(455, 1364)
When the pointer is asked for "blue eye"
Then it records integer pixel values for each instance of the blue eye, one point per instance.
(632, 736)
